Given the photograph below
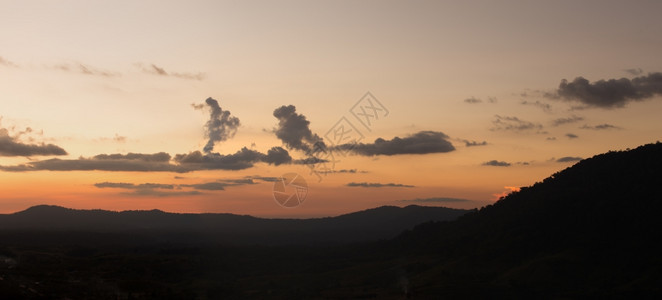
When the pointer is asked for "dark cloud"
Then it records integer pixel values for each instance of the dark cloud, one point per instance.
(612, 93)
(433, 200)
(240, 181)
(221, 125)
(377, 185)
(551, 138)
(544, 106)
(153, 189)
(161, 193)
(513, 124)
(220, 184)
(496, 163)
(156, 157)
(277, 156)
(600, 127)
(474, 143)
(635, 72)
(311, 160)
(568, 159)
(124, 185)
(423, 142)
(568, 120)
(242, 159)
(571, 135)
(265, 178)
(208, 186)
(156, 70)
(293, 129)
(11, 146)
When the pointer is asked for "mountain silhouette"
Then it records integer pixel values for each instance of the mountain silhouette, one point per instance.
(368, 225)
(590, 230)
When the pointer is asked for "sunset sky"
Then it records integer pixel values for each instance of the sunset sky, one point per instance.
(105, 104)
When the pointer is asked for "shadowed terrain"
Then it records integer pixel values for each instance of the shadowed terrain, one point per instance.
(591, 230)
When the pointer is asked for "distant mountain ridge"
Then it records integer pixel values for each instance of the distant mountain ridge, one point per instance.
(368, 225)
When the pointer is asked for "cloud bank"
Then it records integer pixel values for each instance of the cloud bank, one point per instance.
(423, 142)
(11, 146)
(496, 163)
(158, 162)
(611, 93)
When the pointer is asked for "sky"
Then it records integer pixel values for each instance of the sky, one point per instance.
(226, 106)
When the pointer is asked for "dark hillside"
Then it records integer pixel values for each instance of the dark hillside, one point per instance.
(593, 228)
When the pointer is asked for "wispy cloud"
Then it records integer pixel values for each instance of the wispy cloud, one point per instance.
(84, 69)
(634, 71)
(7, 63)
(507, 123)
(474, 143)
(568, 120)
(546, 107)
(156, 70)
(474, 100)
(600, 127)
